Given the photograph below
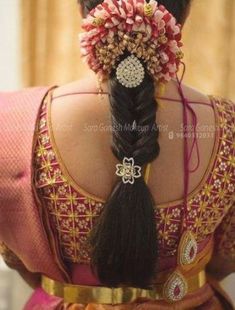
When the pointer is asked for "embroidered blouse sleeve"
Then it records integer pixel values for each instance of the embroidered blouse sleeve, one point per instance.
(225, 235)
(222, 263)
(223, 260)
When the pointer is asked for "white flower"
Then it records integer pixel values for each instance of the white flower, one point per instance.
(128, 171)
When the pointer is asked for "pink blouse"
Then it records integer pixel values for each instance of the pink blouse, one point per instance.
(71, 212)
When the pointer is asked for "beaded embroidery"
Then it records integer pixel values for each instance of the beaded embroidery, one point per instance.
(187, 249)
(175, 287)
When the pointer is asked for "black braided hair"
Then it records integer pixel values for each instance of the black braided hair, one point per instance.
(124, 238)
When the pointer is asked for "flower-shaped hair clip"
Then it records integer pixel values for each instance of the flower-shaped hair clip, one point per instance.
(128, 170)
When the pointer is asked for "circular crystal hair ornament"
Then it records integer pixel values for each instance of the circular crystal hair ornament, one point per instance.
(130, 72)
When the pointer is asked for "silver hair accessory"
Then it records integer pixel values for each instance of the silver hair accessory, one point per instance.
(130, 72)
(128, 170)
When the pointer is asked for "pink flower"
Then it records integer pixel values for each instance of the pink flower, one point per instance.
(158, 15)
(138, 19)
(129, 21)
(164, 57)
(139, 28)
(154, 5)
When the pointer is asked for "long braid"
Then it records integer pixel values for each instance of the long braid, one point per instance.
(145, 108)
(124, 240)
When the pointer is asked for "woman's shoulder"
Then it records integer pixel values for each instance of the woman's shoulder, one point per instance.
(72, 94)
(87, 83)
(18, 114)
(224, 107)
(192, 94)
(78, 103)
(195, 95)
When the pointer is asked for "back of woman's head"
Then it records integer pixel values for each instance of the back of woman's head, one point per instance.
(178, 8)
(124, 238)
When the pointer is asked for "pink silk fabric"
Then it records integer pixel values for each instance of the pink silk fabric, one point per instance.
(19, 212)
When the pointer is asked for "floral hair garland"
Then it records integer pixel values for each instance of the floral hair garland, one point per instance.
(145, 29)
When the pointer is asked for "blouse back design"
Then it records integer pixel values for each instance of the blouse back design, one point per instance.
(72, 211)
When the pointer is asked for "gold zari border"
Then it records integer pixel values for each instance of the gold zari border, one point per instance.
(78, 188)
(106, 295)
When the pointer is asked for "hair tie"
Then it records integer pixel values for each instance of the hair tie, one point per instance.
(146, 30)
(128, 170)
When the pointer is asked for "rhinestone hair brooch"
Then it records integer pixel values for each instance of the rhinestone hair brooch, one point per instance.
(130, 72)
(128, 170)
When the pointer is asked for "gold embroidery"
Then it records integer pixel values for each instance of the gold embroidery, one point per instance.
(73, 211)
(225, 245)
